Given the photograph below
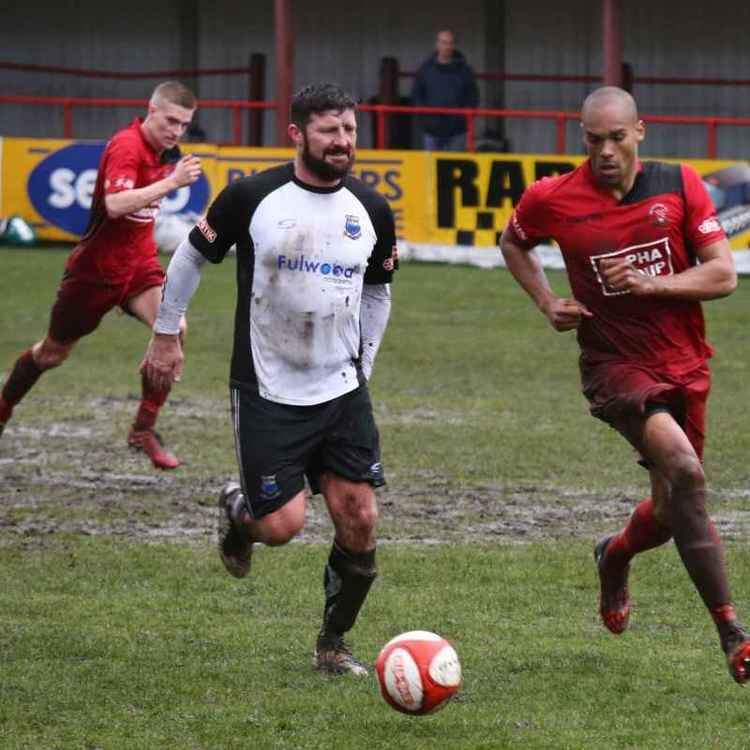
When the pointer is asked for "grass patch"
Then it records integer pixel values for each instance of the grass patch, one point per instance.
(112, 638)
(113, 645)
(471, 381)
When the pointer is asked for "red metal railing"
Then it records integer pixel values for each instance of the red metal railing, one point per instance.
(559, 118)
(382, 112)
(120, 75)
(69, 103)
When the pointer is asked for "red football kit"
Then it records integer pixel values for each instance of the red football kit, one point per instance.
(116, 259)
(634, 350)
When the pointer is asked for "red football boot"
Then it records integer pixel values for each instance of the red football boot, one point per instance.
(739, 662)
(735, 642)
(614, 601)
(150, 443)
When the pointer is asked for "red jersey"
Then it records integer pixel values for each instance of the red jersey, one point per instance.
(658, 226)
(111, 248)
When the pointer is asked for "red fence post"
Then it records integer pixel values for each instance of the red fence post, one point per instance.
(561, 128)
(387, 94)
(237, 117)
(67, 120)
(470, 139)
(711, 126)
(381, 123)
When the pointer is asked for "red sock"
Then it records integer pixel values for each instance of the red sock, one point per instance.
(151, 402)
(731, 632)
(724, 614)
(22, 377)
(642, 532)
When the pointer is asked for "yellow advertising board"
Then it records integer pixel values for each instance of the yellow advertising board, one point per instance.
(441, 199)
(470, 197)
(389, 172)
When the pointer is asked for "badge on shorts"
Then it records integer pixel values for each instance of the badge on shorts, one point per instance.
(269, 487)
(352, 229)
(375, 473)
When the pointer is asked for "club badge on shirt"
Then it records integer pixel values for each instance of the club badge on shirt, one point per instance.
(659, 215)
(352, 229)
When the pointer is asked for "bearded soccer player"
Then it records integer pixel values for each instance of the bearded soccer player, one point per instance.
(115, 264)
(315, 258)
(642, 248)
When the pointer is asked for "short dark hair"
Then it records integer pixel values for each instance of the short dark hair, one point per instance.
(316, 98)
(174, 92)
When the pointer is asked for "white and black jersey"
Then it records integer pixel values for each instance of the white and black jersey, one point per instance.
(303, 254)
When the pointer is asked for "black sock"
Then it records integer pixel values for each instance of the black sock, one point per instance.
(347, 580)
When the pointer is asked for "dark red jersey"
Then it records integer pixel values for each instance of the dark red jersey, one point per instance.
(111, 248)
(658, 225)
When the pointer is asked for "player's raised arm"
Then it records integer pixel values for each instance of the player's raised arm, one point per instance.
(186, 172)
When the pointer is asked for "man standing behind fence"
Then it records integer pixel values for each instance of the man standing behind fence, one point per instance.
(445, 79)
(115, 264)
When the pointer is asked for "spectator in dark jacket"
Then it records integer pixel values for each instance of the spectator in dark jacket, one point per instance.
(445, 79)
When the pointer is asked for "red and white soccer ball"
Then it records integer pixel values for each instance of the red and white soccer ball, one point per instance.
(418, 672)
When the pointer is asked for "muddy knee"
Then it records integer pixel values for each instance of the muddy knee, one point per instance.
(686, 475)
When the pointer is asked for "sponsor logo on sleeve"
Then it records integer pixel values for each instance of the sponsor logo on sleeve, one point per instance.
(518, 229)
(650, 259)
(123, 183)
(709, 226)
(205, 229)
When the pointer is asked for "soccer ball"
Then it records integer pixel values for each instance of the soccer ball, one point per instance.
(418, 672)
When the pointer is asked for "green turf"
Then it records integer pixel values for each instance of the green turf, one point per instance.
(471, 381)
(111, 645)
(115, 641)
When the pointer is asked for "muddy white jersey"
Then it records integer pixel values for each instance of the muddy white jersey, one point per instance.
(303, 254)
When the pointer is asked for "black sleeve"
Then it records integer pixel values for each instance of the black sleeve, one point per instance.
(381, 263)
(380, 266)
(222, 225)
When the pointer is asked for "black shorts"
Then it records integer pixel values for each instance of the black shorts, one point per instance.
(278, 445)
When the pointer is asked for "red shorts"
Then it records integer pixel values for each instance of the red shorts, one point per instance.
(622, 393)
(82, 303)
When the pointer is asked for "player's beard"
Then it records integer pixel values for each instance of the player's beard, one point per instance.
(323, 169)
